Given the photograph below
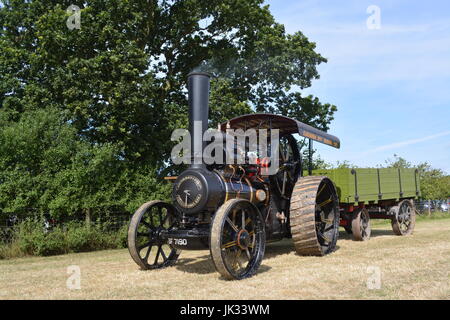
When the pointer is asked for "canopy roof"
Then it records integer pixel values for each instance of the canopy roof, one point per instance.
(284, 124)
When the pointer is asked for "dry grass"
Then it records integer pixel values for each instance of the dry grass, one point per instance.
(415, 267)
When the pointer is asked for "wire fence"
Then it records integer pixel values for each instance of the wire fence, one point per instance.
(111, 223)
(6, 234)
(427, 207)
(118, 220)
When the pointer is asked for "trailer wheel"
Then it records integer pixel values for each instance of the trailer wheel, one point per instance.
(238, 239)
(361, 225)
(145, 244)
(405, 219)
(314, 216)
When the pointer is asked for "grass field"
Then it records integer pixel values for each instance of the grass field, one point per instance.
(414, 267)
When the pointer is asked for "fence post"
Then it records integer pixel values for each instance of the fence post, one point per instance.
(429, 207)
(88, 217)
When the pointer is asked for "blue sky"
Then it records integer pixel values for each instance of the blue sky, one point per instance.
(391, 85)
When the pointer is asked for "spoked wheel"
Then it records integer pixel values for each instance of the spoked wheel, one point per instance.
(361, 225)
(145, 242)
(237, 240)
(314, 216)
(405, 220)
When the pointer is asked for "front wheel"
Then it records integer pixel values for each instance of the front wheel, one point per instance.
(146, 244)
(361, 225)
(237, 240)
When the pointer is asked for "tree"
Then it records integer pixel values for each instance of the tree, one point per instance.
(345, 165)
(47, 169)
(122, 75)
(397, 162)
(117, 89)
(317, 161)
(434, 184)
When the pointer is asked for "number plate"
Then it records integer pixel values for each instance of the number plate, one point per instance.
(177, 242)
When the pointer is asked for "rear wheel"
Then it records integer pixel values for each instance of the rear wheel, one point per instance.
(405, 220)
(237, 240)
(361, 225)
(314, 216)
(148, 248)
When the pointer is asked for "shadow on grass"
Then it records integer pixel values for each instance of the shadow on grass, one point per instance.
(205, 265)
(343, 235)
(200, 265)
(261, 269)
(285, 246)
(275, 249)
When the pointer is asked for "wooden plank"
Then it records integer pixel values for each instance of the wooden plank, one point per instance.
(393, 183)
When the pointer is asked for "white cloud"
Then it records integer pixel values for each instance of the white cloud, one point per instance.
(409, 142)
(360, 29)
(386, 83)
(404, 49)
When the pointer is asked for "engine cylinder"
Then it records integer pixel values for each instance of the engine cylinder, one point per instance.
(200, 190)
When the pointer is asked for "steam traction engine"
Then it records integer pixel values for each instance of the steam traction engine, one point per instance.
(233, 209)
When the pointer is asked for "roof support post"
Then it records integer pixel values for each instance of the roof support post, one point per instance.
(310, 155)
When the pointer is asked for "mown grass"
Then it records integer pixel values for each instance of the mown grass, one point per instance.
(412, 267)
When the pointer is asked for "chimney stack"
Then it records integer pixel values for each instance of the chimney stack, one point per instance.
(198, 90)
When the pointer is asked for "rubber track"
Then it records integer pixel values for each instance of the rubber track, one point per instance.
(302, 216)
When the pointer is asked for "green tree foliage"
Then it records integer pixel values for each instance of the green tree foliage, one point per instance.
(122, 75)
(112, 92)
(398, 162)
(434, 183)
(345, 165)
(47, 168)
(317, 161)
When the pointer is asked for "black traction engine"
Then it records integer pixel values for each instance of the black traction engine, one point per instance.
(232, 209)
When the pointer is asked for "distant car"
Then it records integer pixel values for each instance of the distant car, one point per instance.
(427, 206)
(444, 206)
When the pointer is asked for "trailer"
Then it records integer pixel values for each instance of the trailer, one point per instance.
(383, 193)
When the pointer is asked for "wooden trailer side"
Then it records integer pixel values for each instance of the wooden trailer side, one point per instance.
(366, 185)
